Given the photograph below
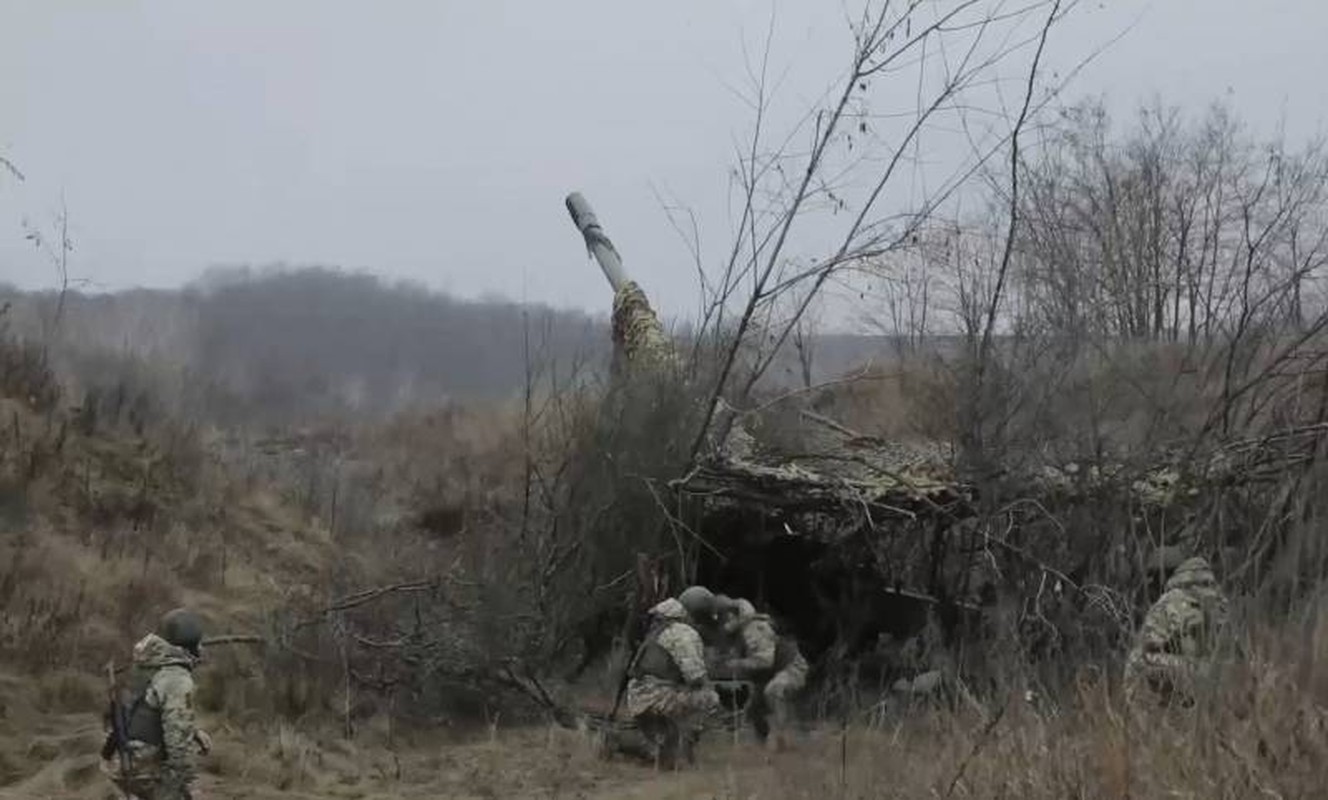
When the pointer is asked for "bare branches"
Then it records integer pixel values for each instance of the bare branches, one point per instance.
(9, 167)
(234, 638)
(368, 596)
(887, 39)
(1008, 251)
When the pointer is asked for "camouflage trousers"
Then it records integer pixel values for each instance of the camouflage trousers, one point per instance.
(143, 779)
(771, 710)
(670, 717)
(1162, 678)
(686, 706)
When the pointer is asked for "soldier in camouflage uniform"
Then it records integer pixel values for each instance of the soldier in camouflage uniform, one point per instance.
(1178, 635)
(159, 712)
(669, 694)
(773, 663)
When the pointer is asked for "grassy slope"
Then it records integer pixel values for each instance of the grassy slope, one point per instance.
(86, 566)
(83, 572)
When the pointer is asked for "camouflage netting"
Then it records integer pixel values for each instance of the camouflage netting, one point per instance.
(852, 541)
(638, 337)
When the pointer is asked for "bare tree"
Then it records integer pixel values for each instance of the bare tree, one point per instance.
(853, 156)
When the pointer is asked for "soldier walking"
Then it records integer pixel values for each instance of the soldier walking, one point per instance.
(151, 746)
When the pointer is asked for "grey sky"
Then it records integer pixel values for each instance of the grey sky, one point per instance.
(436, 140)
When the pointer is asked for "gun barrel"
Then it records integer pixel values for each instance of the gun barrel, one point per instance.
(583, 217)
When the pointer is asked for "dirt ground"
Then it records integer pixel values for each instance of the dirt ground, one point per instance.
(532, 762)
(1272, 743)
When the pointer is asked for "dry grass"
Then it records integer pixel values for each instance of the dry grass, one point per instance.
(85, 566)
(1263, 733)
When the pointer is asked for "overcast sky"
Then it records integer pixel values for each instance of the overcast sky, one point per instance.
(436, 140)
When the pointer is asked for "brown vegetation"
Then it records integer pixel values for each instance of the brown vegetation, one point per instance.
(1126, 354)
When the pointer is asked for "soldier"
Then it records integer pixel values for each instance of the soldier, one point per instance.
(718, 642)
(1178, 634)
(156, 758)
(773, 663)
(669, 693)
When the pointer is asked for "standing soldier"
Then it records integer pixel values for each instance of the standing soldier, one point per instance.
(1178, 635)
(669, 693)
(773, 663)
(153, 735)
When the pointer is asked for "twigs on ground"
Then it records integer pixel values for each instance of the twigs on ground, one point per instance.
(981, 741)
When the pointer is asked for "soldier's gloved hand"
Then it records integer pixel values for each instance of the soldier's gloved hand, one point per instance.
(204, 742)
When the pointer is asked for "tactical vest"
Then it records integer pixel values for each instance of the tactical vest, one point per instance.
(653, 661)
(786, 651)
(144, 721)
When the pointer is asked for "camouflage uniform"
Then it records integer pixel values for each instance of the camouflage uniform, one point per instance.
(669, 694)
(162, 734)
(1178, 634)
(773, 662)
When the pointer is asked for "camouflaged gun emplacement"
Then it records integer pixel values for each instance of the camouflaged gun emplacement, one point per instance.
(751, 501)
(851, 536)
(638, 336)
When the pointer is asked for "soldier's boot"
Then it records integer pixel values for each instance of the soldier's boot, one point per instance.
(690, 737)
(670, 747)
(779, 713)
(761, 726)
(651, 731)
(634, 744)
(758, 713)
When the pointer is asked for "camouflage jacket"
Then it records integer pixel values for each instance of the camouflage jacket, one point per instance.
(167, 671)
(673, 639)
(1181, 627)
(761, 651)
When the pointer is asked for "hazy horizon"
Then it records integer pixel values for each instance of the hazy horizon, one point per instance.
(435, 142)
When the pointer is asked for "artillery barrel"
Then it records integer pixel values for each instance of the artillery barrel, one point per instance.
(598, 244)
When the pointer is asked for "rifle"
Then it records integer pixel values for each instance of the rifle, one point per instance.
(637, 648)
(117, 738)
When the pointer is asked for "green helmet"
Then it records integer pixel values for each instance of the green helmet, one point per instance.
(699, 602)
(182, 628)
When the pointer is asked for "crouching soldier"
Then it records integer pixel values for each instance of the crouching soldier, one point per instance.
(773, 663)
(150, 748)
(669, 695)
(1178, 638)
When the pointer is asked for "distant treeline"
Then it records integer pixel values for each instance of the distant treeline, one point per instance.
(279, 346)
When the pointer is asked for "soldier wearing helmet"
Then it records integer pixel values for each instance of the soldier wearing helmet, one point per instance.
(773, 663)
(158, 710)
(669, 694)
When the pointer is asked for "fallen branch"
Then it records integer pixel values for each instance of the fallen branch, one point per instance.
(367, 596)
(234, 638)
(977, 747)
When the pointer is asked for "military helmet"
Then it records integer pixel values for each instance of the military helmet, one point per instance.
(182, 628)
(1165, 560)
(724, 604)
(698, 600)
(1191, 574)
(743, 609)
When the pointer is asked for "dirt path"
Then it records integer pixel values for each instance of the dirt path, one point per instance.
(523, 763)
